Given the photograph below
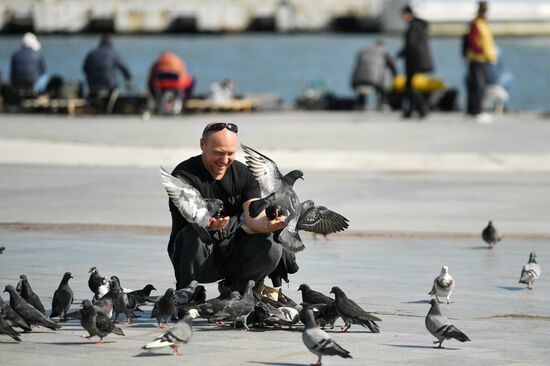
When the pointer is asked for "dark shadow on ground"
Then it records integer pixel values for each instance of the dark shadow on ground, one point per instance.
(419, 346)
(416, 302)
(82, 343)
(512, 288)
(478, 248)
(153, 354)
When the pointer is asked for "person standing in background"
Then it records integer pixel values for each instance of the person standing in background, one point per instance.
(418, 59)
(480, 52)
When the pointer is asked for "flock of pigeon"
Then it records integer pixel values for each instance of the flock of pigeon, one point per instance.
(316, 312)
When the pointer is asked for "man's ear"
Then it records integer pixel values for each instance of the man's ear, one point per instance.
(202, 144)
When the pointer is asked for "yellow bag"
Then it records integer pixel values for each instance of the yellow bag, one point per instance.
(421, 82)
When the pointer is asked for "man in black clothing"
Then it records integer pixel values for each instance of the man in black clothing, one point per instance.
(418, 59)
(243, 247)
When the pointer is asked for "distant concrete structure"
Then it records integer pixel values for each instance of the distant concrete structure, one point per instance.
(447, 17)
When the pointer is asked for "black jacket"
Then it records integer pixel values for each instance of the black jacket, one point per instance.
(27, 66)
(416, 50)
(100, 68)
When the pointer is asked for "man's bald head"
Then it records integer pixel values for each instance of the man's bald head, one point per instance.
(219, 145)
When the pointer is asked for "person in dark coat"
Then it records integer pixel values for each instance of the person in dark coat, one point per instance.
(418, 59)
(100, 67)
(27, 63)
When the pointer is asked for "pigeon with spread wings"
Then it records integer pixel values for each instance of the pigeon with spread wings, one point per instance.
(278, 195)
(193, 207)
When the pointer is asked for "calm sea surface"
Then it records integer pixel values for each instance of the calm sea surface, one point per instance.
(285, 63)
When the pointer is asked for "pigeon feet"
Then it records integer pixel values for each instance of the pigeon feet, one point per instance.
(176, 351)
(220, 324)
(163, 325)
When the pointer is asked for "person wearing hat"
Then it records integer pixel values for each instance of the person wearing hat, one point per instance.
(27, 63)
(418, 59)
(480, 51)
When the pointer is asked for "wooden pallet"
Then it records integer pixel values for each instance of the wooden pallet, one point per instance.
(71, 106)
(235, 105)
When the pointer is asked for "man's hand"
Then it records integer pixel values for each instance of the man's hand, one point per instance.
(277, 223)
(218, 223)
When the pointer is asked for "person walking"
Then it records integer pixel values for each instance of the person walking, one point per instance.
(418, 59)
(480, 52)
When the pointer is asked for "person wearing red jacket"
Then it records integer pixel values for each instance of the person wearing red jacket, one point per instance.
(170, 73)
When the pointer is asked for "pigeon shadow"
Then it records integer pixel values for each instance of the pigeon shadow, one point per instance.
(148, 325)
(512, 288)
(419, 346)
(478, 248)
(152, 354)
(417, 302)
(278, 363)
(81, 343)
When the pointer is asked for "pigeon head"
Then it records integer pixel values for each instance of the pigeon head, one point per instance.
(303, 287)
(533, 257)
(10, 289)
(337, 292)
(67, 276)
(249, 286)
(490, 224)
(292, 176)
(114, 283)
(214, 206)
(434, 302)
(148, 288)
(93, 270)
(306, 205)
(444, 270)
(86, 303)
(23, 278)
(170, 293)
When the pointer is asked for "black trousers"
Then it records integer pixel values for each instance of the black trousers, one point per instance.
(475, 85)
(413, 101)
(237, 259)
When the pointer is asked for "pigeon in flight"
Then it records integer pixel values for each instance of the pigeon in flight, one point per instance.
(173, 337)
(443, 285)
(62, 298)
(531, 271)
(319, 342)
(96, 322)
(193, 207)
(440, 327)
(490, 235)
(279, 198)
(27, 311)
(5, 328)
(29, 296)
(165, 308)
(352, 313)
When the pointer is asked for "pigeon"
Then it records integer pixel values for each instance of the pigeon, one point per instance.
(6, 328)
(279, 198)
(325, 314)
(29, 296)
(215, 305)
(352, 313)
(2, 248)
(319, 342)
(199, 296)
(184, 295)
(440, 327)
(63, 297)
(96, 322)
(27, 311)
(313, 297)
(193, 207)
(165, 308)
(180, 333)
(239, 309)
(120, 299)
(490, 235)
(9, 314)
(95, 282)
(284, 315)
(443, 285)
(140, 297)
(531, 271)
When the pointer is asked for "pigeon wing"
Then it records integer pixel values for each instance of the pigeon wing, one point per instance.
(321, 220)
(348, 308)
(264, 169)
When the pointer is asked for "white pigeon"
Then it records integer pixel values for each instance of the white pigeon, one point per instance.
(173, 337)
(531, 271)
(319, 342)
(443, 285)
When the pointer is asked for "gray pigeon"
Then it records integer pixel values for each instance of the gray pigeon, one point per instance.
(184, 295)
(215, 305)
(9, 314)
(490, 235)
(120, 299)
(325, 315)
(443, 285)
(180, 333)
(27, 311)
(29, 296)
(278, 195)
(352, 313)
(63, 297)
(2, 248)
(440, 327)
(165, 308)
(239, 310)
(193, 207)
(5, 328)
(319, 342)
(96, 322)
(530, 272)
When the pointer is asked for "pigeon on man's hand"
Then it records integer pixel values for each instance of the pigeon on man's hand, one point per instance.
(440, 327)
(279, 198)
(352, 313)
(490, 235)
(27, 311)
(443, 285)
(193, 207)
(319, 342)
(28, 294)
(173, 337)
(96, 322)
(530, 271)
(62, 298)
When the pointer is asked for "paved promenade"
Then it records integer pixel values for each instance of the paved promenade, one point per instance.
(85, 192)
